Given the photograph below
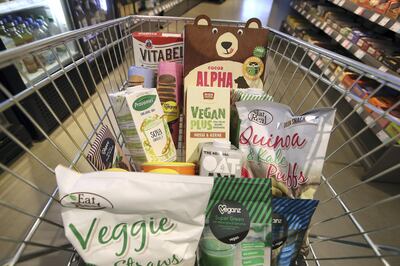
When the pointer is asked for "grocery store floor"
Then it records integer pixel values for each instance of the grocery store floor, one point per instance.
(26, 198)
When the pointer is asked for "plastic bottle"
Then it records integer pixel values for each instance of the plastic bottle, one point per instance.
(43, 26)
(5, 36)
(46, 57)
(19, 39)
(54, 30)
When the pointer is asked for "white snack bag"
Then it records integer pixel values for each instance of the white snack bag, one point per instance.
(126, 218)
(283, 146)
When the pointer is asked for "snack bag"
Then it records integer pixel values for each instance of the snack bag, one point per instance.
(290, 220)
(127, 218)
(106, 153)
(238, 224)
(280, 145)
(251, 94)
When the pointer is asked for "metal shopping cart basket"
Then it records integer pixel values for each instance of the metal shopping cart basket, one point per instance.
(356, 222)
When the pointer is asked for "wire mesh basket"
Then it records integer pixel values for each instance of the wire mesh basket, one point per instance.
(356, 222)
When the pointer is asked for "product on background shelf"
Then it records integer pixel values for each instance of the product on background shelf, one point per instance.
(169, 89)
(141, 76)
(151, 124)
(150, 219)
(207, 118)
(176, 168)
(238, 224)
(393, 130)
(220, 159)
(393, 62)
(105, 152)
(291, 218)
(46, 57)
(150, 48)
(232, 57)
(286, 147)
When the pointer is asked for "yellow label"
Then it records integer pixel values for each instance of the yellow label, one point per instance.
(171, 110)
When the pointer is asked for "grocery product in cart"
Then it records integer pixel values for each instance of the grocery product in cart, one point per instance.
(238, 224)
(151, 124)
(140, 76)
(176, 168)
(116, 218)
(169, 89)
(106, 153)
(280, 145)
(232, 57)
(290, 220)
(150, 48)
(207, 118)
(237, 95)
(220, 158)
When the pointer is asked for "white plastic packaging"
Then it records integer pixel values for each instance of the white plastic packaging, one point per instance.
(127, 218)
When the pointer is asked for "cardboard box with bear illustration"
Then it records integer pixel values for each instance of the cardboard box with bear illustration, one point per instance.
(224, 56)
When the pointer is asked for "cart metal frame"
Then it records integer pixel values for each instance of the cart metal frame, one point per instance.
(287, 75)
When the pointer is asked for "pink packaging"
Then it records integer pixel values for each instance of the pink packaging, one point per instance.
(169, 89)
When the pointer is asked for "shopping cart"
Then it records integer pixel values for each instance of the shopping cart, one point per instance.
(356, 222)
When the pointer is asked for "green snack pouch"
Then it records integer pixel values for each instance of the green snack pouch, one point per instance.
(238, 224)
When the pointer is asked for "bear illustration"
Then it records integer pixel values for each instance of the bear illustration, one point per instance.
(224, 56)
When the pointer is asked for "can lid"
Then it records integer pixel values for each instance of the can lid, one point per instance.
(222, 144)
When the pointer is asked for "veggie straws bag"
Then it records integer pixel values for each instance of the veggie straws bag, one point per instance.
(122, 218)
(288, 148)
(238, 227)
(290, 221)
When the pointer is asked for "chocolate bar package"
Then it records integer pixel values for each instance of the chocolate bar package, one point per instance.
(106, 153)
(150, 48)
(224, 56)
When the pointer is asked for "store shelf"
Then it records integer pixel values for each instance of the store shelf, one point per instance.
(19, 5)
(376, 129)
(40, 74)
(380, 19)
(166, 6)
(343, 41)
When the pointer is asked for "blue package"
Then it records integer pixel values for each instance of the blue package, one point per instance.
(290, 221)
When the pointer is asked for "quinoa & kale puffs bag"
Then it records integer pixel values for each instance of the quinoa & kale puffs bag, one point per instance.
(289, 149)
(125, 218)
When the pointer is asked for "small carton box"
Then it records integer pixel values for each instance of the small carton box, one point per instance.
(207, 117)
(150, 48)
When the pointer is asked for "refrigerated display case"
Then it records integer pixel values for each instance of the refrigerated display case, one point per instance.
(25, 21)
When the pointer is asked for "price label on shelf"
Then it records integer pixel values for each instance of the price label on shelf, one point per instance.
(384, 21)
(383, 136)
(383, 68)
(308, 16)
(318, 23)
(327, 72)
(332, 78)
(396, 27)
(319, 63)
(374, 17)
(303, 12)
(336, 2)
(313, 20)
(338, 38)
(341, 3)
(359, 10)
(359, 54)
(324, 24)
(369, 121)
(329, 30)
(346, 44)
(151, 13)
(359, 110)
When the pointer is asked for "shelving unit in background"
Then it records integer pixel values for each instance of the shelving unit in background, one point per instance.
(371, 15)
(342, 40)
(378, 131)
